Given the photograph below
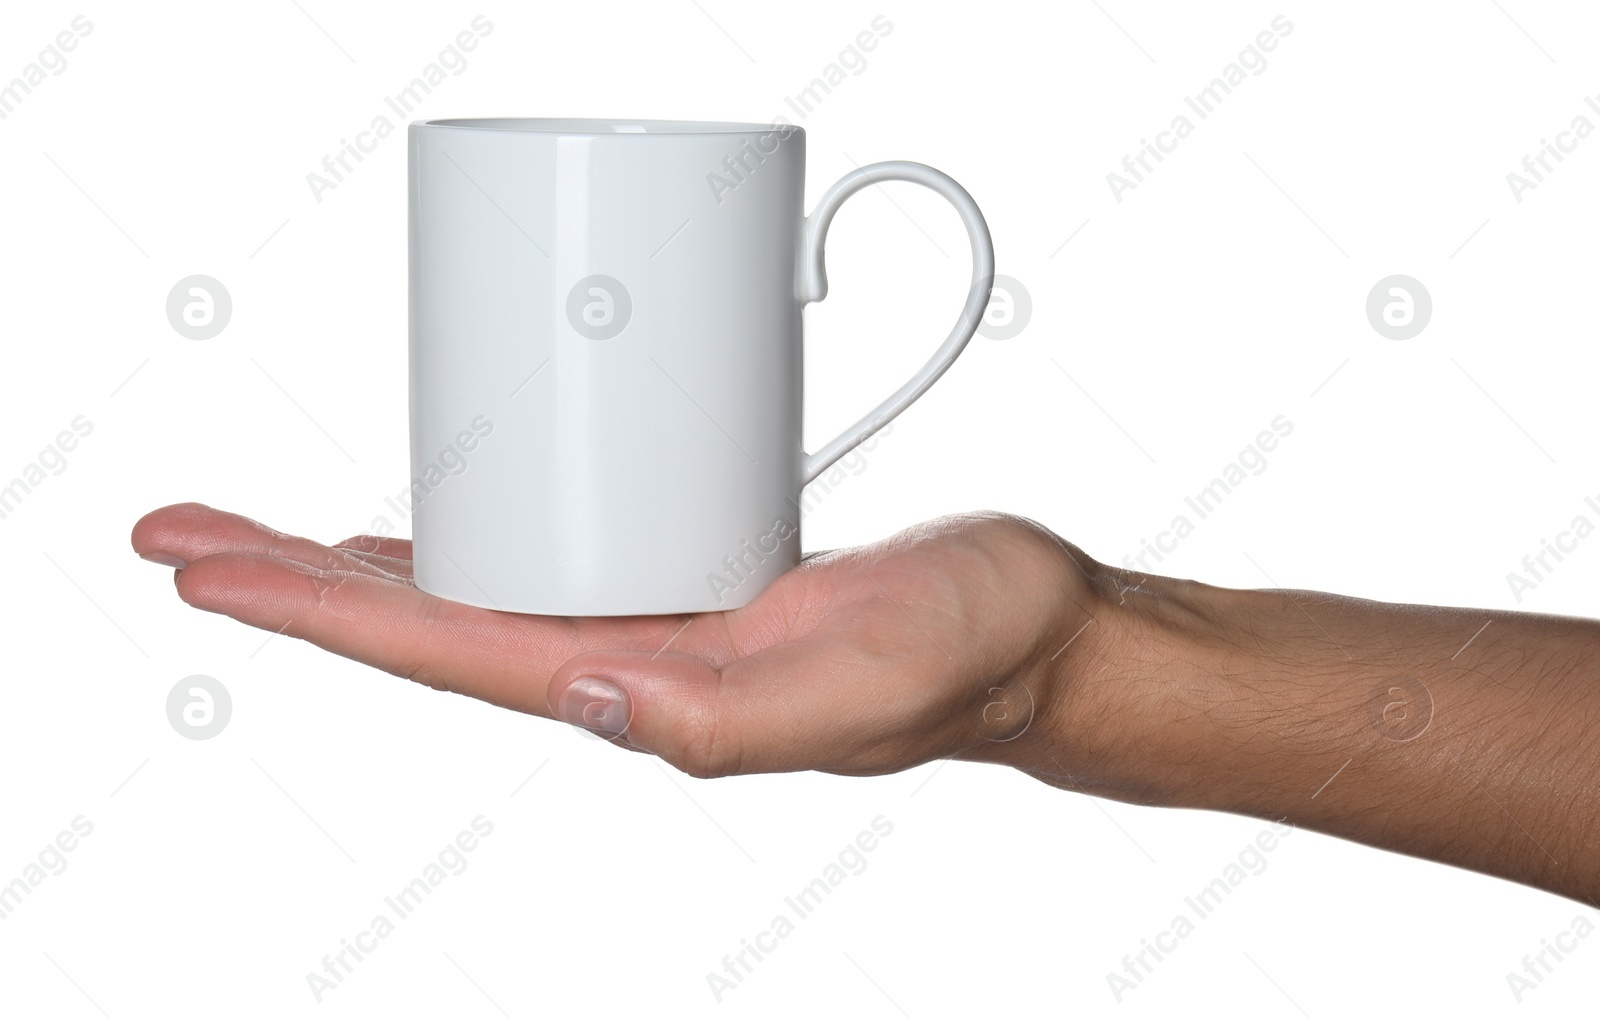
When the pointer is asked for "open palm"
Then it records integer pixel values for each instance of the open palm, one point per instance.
(930, 644)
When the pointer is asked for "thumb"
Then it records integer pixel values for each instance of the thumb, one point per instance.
(789, 707)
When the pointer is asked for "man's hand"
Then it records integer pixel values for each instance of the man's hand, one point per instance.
(1468, 737)
(944, 641)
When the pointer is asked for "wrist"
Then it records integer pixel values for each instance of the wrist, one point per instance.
(1391, 725)
(1134, 693)
(1159, 702)
(1194, 696)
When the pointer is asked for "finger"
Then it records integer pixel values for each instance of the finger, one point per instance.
(504, 659)
(180, 535)
(797, 706)
(369, 543)
(400, 568)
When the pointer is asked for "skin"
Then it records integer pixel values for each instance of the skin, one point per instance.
(986, 637)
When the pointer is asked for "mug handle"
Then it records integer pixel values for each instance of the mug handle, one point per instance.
(814, 286)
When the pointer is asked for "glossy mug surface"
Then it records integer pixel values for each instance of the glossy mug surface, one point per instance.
(605, 343)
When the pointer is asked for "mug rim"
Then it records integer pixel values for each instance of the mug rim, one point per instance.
(602, 127)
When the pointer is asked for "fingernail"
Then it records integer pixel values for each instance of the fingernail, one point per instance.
(596, 704)
(163, 558)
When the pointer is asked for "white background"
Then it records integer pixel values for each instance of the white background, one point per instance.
(1225, 290)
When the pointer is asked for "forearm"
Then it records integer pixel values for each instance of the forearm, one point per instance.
(1410, 728)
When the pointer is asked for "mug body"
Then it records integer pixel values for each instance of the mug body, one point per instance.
(605, 362)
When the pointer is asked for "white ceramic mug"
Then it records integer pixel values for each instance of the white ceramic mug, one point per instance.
(606, 358)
